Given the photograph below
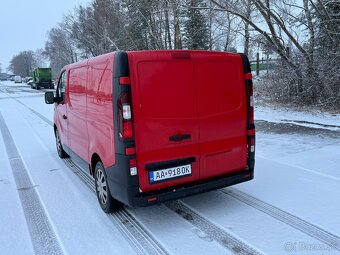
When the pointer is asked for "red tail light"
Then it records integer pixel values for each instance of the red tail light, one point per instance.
(250, 103)
(130, 151)
(125, 125)
(124, 81)
(133, 162)
(250, 121)
(152, 199)
(127, 130)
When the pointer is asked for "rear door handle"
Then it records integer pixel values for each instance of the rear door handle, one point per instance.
(179, 137)
(64, 117)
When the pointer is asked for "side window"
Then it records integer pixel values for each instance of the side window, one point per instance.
(62, 86)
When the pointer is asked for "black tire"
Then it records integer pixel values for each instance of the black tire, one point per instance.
(60, 150)
(106, 201)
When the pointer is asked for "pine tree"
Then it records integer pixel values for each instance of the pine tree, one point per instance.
(196, 26)
(138, 16)
(327, 53)
(327, 23)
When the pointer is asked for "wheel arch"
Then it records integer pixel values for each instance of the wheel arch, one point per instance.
(95, 158)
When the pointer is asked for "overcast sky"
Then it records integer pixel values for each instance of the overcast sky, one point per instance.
(24, 24)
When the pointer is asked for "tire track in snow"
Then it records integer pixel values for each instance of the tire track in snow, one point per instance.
(221, 236)
(43, 237)
(9, 98)
(126, 223)
(35, 112)
(29, 108)
(138, 236)
(316, 232)
(311, 123)
(213, 231)
(135, 233)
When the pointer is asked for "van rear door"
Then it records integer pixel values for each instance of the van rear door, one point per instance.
(164, 105)
(222, 112)
(189, 108)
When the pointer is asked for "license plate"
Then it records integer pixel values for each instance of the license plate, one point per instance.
(169, 173)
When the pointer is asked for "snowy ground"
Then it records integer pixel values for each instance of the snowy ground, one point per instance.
(291, 207)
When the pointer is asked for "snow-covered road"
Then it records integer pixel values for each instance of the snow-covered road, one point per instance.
(48, 205)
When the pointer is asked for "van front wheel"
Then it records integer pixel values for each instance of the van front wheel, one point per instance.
(60, 150)
(106, 201)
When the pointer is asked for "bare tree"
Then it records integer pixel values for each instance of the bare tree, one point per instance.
(60, 49)
(281, 29)
(303, 34)
(40, 58)
(168, 43)
(23, 63)
(177, 35)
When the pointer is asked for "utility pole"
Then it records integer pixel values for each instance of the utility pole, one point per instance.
(257, 64)
(210, 25)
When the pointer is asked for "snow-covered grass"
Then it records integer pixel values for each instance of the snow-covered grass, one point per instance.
(313, 119)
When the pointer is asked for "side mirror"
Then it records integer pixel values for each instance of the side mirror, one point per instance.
(49, 97)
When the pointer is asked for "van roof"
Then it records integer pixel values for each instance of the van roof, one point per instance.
(111, 54)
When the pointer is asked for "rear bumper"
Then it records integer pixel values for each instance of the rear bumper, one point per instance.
(192, 189)
(125, 187)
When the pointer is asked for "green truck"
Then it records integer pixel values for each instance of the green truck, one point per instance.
(42, 77)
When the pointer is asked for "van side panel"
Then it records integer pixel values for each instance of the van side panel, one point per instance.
(100, 110)
(222, 113)
(77, 127)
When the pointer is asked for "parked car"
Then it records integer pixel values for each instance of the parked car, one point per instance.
(3, 76)
(17, 79)
(29, 81)
(152, 126)
(26, 79)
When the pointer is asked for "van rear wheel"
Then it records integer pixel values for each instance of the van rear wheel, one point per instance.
(106, 201)
(60, 150)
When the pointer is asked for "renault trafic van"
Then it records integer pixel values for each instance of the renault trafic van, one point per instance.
(152, 126)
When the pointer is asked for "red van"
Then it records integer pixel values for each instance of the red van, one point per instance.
(152, 126)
